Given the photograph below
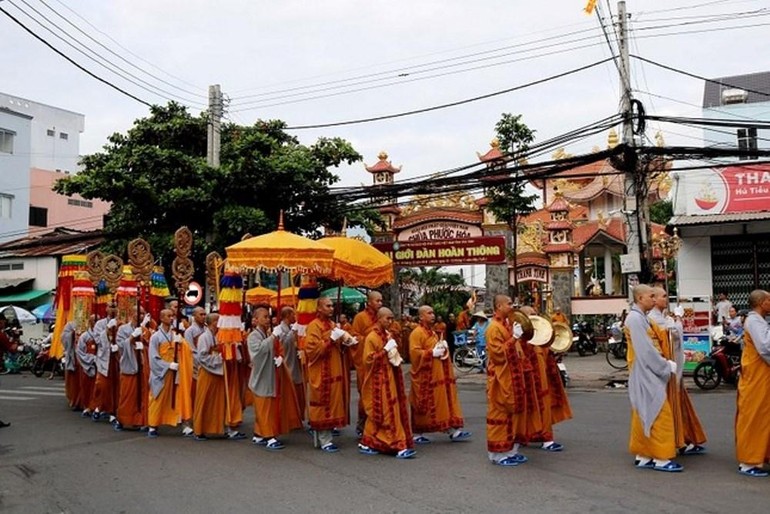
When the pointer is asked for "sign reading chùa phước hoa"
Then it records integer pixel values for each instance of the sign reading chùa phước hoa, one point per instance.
(477, 250)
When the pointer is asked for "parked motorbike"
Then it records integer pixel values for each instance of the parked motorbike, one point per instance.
(583, 339)
(559, 357)
(723, 363)
(46, 362)
(20, 360)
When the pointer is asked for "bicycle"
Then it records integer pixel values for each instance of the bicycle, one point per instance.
(466, 358)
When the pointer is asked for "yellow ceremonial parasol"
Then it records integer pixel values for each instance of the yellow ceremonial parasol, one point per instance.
(257, 295)
(357, 263)
(281, 251)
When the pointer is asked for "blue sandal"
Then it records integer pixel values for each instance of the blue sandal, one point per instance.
(330, 448)
(669, 467)
(462, 436)
(695, 450)
(553, 447)
(406, 454)
(521, 459)
(275, 445)
(507, 462)
(753, 472)
(421, 439)
(365, 450)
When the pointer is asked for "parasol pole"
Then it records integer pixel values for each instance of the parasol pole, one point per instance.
(339, 300)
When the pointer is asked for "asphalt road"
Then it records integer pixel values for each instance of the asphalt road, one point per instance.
(51, 460)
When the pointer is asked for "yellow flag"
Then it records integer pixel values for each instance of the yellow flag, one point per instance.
(590, 6)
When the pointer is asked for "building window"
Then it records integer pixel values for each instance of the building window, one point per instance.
(747, 141)
(80, 203)
(6, 206)
(17, 266)
(63, 135)
(5, 267)
(38, 216)
(6, 141)
(50, 133)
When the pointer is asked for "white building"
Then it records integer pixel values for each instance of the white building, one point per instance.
(723, 214)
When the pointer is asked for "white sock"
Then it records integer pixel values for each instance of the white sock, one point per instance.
(659, 462)
(547, 444)
(643, 460)
(456, 433)
(187, 430)
(112, 418)
(689, 447)
(257, 439)
(515, 450)
(745, 467)
(272, 440)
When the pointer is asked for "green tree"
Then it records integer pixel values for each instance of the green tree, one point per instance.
(445, 292)
(510, 201)
(156, 177)
(661, 212)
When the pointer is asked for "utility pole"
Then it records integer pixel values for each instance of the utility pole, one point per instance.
(631, 262)
(215, 123)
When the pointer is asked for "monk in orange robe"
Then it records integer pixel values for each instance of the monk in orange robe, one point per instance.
(163, 373)
(363, 323)
(327, 377)
(387, 419)
(433, 395)
(513, 414)
(752, 420)
(688, 431)
(185, 391)
(276, 408)
(345, 324)
(653, 434)
(134, 376)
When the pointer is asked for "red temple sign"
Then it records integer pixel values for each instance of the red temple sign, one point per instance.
(733, 189)
(477, 250)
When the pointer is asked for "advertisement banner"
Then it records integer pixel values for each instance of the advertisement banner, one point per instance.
(730, 190)
(696, 348)
(477, 250)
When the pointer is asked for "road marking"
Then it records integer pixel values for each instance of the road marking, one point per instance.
(36, 393)
(17, 398)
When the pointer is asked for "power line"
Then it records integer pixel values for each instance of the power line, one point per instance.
(109, 66)
(116, 54)
(451, 104)
(71, 61)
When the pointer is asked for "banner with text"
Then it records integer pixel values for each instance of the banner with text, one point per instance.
(477, 250)
(730, 189)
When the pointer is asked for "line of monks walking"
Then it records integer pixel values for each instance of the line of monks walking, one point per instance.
(147, 374)
(151, 373)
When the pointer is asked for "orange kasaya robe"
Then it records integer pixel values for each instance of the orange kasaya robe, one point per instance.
(185, 391)
(327, 378)
(279, 414)
(553, 401)
(86, 384)
(440, 329)
(513, 412)
(107, 389)
(232, 354)
(363, 323)
(433, 395)
(209, 415)
(661, 444)
(463, 320)
(160, 409)
(384, 396)
(72, 388)
(687, 426)
(244, 369)
(752, 418)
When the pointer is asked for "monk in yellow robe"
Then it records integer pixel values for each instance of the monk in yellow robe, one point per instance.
(689, 432)
(752, 420)
(276, 408)
(653, 434)
(327, 377)
(163, 348)
(433, 395)
(513, 414)
(363, 323)
(384, 395)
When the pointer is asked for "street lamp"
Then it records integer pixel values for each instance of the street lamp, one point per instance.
(668, 248)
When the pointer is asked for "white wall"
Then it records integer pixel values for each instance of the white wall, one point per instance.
(43, 269)
(694, 267)
(50, 152)
(14, 175)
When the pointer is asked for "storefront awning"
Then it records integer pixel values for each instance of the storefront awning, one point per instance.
(712, 219)
(24, 296)
(13, 282)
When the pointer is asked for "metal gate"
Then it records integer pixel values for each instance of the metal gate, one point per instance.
(740, 264)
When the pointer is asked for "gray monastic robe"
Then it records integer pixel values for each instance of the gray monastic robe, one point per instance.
(650, 372)
(290, 358)
(208, 360)
(262, 380)
(159, 367)
(194, 331)
(128, 364)
(69, 343)
(676, 333)
(87, 361)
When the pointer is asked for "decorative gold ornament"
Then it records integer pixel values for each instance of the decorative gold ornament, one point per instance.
(95, 266)
(112, 266)
(140, 259)
(182, 268)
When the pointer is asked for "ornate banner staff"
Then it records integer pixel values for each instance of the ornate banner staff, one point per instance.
(140, 260)
(182, 269)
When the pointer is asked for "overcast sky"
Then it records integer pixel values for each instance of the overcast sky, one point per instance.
(260, 47)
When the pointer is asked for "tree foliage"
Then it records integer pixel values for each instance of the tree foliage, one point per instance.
(445, 292)
(156, 177)
(661, 212)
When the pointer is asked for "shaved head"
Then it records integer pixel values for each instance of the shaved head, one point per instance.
(641, 290)
(501, 299)
(757, 297)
